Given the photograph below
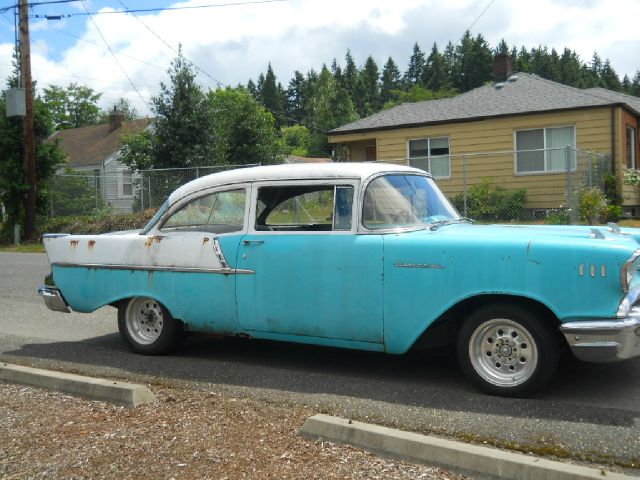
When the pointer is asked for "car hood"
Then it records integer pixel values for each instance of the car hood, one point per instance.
(516, 234)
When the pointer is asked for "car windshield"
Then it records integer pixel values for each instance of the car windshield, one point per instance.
(405, 201)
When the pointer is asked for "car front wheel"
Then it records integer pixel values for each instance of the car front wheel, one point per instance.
(507, 350)
(147, 326)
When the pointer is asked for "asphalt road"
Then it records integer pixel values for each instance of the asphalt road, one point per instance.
(589, 412)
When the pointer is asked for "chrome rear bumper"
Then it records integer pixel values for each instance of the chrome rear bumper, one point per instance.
(53, 299)
(604, 340)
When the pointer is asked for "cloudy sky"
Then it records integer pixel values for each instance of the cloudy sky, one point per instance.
(113, 52)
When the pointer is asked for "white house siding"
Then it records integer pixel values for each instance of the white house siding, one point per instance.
(114, 196)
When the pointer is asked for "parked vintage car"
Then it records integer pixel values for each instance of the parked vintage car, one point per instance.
(365, 256)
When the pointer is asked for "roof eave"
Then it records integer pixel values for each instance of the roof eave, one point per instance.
(473, 119)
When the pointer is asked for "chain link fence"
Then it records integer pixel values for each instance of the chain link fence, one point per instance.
(551, 185)
(121, 191)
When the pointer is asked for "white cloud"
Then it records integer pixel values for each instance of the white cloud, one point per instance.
(234, 44)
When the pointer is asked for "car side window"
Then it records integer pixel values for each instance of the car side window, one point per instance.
(304, 208)
(219, 212)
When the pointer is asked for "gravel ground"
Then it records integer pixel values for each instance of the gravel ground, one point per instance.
(187, 434)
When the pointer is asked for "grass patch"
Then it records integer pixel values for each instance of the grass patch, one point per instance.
(629, 223)
(23, 248)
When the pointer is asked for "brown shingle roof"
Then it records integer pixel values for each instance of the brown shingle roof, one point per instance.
(523, 93)
(92, 145)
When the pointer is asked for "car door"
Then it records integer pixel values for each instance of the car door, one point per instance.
(196, 246)
(314, 277)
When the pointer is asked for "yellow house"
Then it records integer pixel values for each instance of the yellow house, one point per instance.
(521, 132)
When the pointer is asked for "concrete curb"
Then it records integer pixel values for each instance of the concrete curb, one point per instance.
(128, 395)
(476, 461)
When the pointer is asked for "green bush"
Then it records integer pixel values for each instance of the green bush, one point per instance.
(592, 204)
(74, 193)
(92, 224)
(611, 189)
(558, 217)
(487, 202)
(613, 213)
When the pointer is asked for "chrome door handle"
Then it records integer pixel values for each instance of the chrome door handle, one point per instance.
(255, 242)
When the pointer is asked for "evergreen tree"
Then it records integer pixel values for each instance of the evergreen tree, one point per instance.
(260, 87)
(413, 74)
(523, 61)
(391, 80)
(626, 84)
(336, 71)
(183, 120)
(434, 75)
(449, 56)
(252, 89)
(502, 47)
(330, 107)
(294, 104)
(271, 95)
(569, 68)
(474, 62)
(350, 78)
(609, 77)
(553, 66)
(368, 89)
(635, 84)
(591, 72)
(460, 68)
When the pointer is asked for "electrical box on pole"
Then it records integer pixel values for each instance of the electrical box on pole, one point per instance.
(16, 102)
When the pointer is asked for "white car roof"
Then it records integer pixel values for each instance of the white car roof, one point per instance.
(308, 171)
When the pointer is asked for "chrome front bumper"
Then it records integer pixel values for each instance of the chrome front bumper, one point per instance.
(53, 299)
(604, 340)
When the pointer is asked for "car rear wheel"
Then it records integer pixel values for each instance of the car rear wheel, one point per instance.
(148, 327)
(507, 350)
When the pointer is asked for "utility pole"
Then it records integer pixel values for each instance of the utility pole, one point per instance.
(29, 150)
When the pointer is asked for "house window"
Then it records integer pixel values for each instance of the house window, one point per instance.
(125, 183)
(631, 147)
(431, 155)
(543, 149)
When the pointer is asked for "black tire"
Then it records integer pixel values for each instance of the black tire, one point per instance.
(508, 350)
(148, 327)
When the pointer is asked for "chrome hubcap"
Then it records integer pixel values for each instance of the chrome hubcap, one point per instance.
(503, 352)
(144, 320)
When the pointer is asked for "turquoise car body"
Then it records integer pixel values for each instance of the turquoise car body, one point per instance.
(379, 290)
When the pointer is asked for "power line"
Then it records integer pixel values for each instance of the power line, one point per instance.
(480, 16)
(115, 58)
(105, 48)
(157, 9)
(170, 46)
(200, 69)
(33, 4)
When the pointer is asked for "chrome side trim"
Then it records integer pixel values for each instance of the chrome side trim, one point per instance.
(625, 270)
(604, 341)
(53, 299)
(628, 302)
(419, 265)
(55, 235)
(218, 251)
(101, 266)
